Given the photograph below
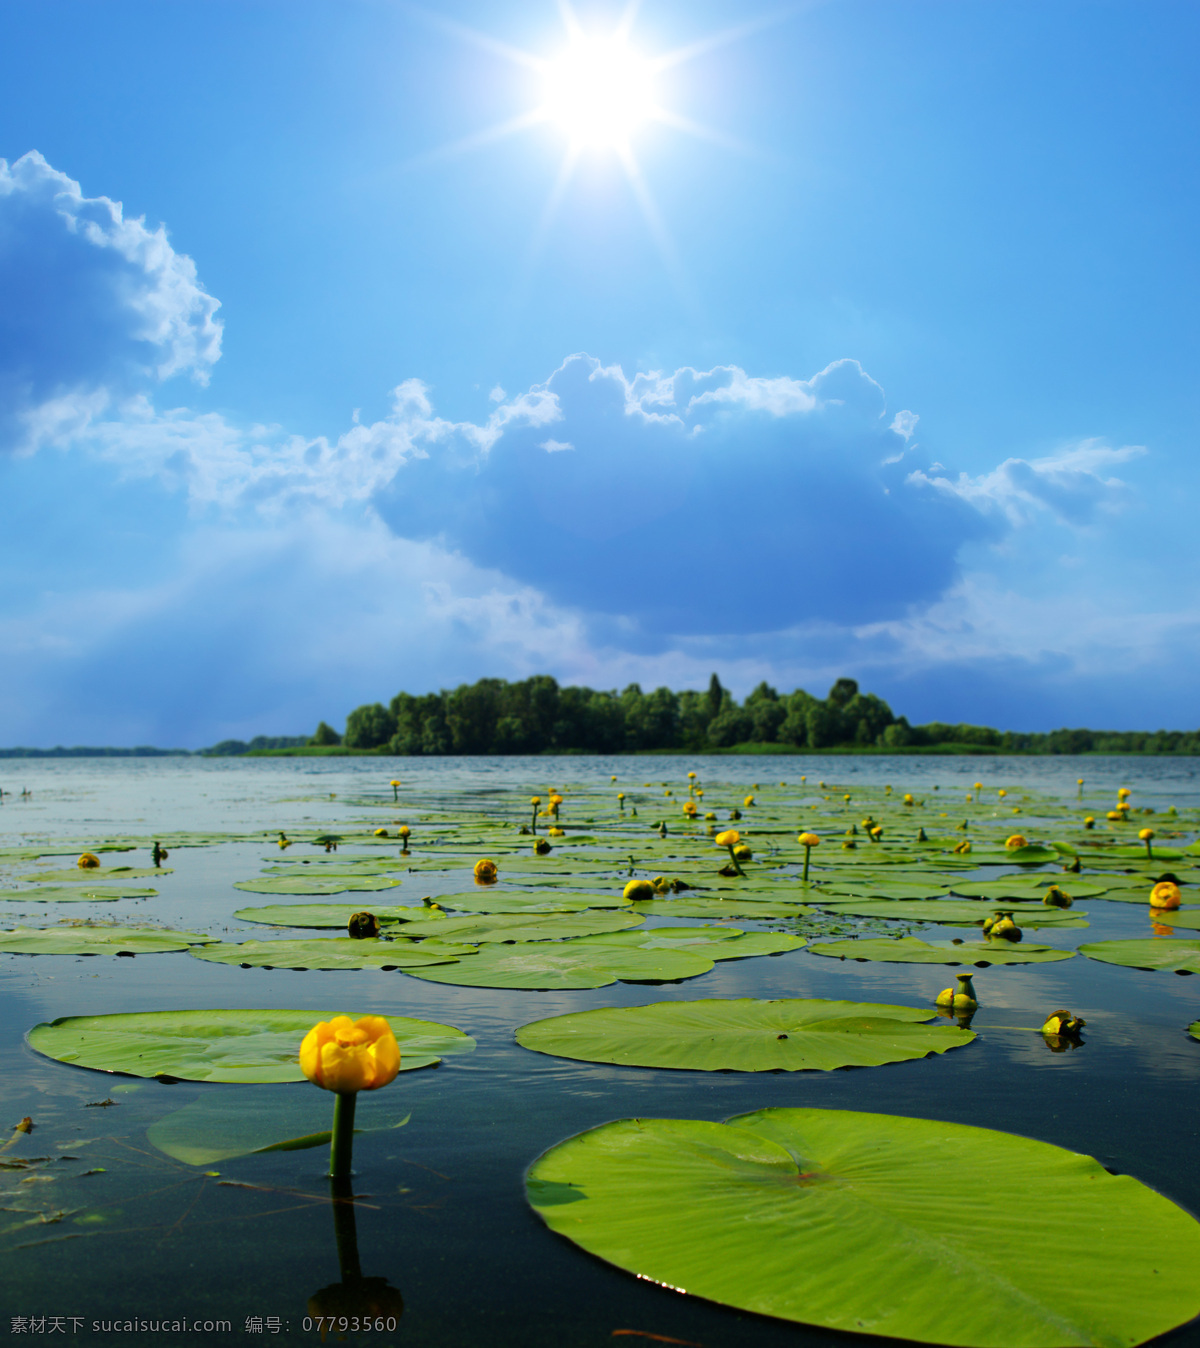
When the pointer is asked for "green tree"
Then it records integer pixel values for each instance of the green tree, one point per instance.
(325, 735)
(369, 726)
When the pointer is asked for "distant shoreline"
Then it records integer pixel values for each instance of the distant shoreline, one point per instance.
(751, 750)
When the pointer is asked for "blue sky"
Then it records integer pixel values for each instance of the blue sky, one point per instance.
(872, 352)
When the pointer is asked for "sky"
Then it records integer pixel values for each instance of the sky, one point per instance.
(355, 347)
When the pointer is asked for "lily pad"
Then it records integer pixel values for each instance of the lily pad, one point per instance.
(872, 1223)
(74, 874)
(720, 908)
(1023, 888)
(325, 952)
(745, 1035)
(316, 884)
(1157, 952)
(516, 902)
(520, 927)
(909, 950)
(97, 940)
(964, 912)
(885, 889)
(230, 1045)
(717, 943)
(57, 894)
(333, 916)
(545, 965)
(1176, 917)
(216, 1129)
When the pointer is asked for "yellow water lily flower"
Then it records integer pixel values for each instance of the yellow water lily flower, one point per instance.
(638, 889)
(730, 838)
(485, 872)
(1016, 841)
(908, 800)
(692, 775)
(1124, 793)
(963, 847)
(346, 1056)
(1166, 894)
(748, 801)
(88, 861)
(381, 833)
(689, 808)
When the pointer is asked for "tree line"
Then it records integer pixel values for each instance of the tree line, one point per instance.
(536, 715)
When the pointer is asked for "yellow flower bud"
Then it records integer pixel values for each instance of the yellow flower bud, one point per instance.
(808, 840)
(1145, 834)
(729, 838)
(1057, 898)
(485, 872)
(1165, 894)
(381, 833)
(363, 926)
(1063, 1023)
(88, 862)
(638, 889)
(1016, 841)
(541, 847)
(345, 1056)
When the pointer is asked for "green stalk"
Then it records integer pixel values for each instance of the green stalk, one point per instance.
(807, 854)
(344, 1229)
(343, 1135)
(736, 865)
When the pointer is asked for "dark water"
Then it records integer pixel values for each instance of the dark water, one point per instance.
(441, 1210)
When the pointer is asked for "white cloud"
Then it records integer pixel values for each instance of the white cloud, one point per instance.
(555, 446)
(93, 301)
(1069, 484)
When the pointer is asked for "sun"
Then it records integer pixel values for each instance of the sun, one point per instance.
(598, 91)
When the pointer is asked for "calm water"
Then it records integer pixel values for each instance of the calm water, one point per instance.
(443, 1216)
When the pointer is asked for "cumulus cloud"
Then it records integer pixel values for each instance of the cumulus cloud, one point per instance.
(696, 502)
(1070, 485)
(95, 305)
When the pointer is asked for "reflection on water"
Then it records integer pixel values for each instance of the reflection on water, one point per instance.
(97, 1221)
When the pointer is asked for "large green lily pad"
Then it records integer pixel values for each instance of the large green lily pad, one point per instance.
(229, 1045)
(951, 912)
(874, 888)
(877, 1224)
(78, 874)
(509, 901)
(60, 894)
(1175, 917)
(717, 943)
(745, 1035)
(688, 906)
(520, 927)
(1157, 952)
(97, 939)
(1022, 888)
(316, 884)
(327, 952)
(322, 916)
(543, 965)
(909, 950)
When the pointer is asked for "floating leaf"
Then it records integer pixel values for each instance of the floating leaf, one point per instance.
(320, 915)
(870, 1223)
(326, 952)
(510, 901)
(884, 889)
(909, 950)
(56, 894)
(717, 943)
(231, 1045)
(74, 874)
(219, 1126)
(688, 906)
(1023, 888)
(566, 964)
(745, 1035)
(317, 884)
(965, 912)
(1157, 952)
(1175, 917)
(97, 940)
(519, 927)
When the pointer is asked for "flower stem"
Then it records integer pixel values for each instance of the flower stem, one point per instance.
(807, 854)
(343, 1134)
(345, 1232)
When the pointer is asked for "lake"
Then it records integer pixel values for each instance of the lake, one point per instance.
(113, 1228)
